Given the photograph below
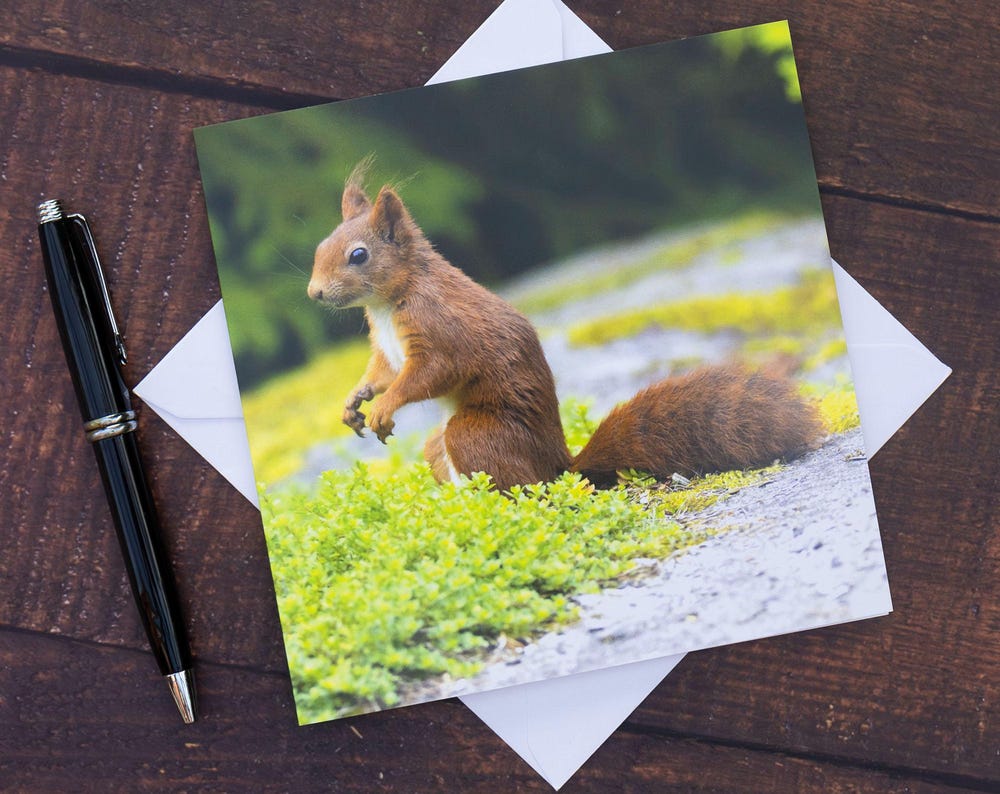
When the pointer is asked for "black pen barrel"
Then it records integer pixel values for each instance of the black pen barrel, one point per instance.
(100, 389)
(145, 559)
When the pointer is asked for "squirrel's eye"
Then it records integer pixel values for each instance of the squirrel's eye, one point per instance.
(358, 256)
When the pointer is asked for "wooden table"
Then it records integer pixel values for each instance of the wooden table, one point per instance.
(98, 103)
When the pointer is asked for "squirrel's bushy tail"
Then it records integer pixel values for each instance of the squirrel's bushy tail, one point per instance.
(711, 419)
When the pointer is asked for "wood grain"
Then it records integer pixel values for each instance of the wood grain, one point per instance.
(921, 82)
(902, 105)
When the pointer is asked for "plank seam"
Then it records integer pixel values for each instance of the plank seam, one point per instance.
(268, 98)
(158, 79)
(133, 649)
(969, 782)
(896, 771)
(909, 204)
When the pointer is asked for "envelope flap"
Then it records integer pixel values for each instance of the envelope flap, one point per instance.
(893, 372)
(556, 725)
(197, 378)
(518, 34)
(578, 40)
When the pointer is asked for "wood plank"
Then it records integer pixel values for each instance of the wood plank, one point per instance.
(60, 726)
(902, 100)
(634, 762)
(73, 712)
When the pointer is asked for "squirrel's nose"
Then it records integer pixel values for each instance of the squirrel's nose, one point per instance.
(315, 291)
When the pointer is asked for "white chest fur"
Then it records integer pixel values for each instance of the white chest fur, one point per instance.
(385, 336)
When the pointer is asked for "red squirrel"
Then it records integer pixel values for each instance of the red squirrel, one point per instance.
(436, 333)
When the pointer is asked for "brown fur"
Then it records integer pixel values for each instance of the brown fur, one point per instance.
(712, 419)
(464, 344)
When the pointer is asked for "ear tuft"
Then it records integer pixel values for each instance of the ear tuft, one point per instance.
(390, 217)
(354, 202)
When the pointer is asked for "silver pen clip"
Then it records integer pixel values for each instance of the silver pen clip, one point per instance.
(84, 227)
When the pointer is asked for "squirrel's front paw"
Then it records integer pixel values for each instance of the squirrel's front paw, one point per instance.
(381, 422)
(353, 418)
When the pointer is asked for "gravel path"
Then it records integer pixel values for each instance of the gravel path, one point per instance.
(800, 551)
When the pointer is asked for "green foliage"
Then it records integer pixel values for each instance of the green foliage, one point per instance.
(387, 580)
(772, 39)
(810, 306)
(577, 424)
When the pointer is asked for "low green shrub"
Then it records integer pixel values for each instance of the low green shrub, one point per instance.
(387, 580)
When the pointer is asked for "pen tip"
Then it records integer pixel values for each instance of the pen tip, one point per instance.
(181, 686)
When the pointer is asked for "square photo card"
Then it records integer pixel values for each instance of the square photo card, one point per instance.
(543, 372)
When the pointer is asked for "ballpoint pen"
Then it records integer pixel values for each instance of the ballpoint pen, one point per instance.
(95, 352)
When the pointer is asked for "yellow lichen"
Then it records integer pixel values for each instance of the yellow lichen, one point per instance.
(810, 306)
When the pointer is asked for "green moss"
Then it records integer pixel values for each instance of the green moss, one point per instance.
(383, 580)
(731, 256)
(723, 238)
(700, 492)
(810, 352)
(810, 306)
(681, 364)
(762, 348)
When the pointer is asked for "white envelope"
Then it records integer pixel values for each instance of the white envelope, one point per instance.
(553, 725)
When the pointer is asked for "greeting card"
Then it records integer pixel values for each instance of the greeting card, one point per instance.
(542, 372)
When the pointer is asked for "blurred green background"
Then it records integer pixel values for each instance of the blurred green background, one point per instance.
(505, 172)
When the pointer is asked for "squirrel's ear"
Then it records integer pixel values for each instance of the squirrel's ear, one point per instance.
(354, 202)
(390, 218)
